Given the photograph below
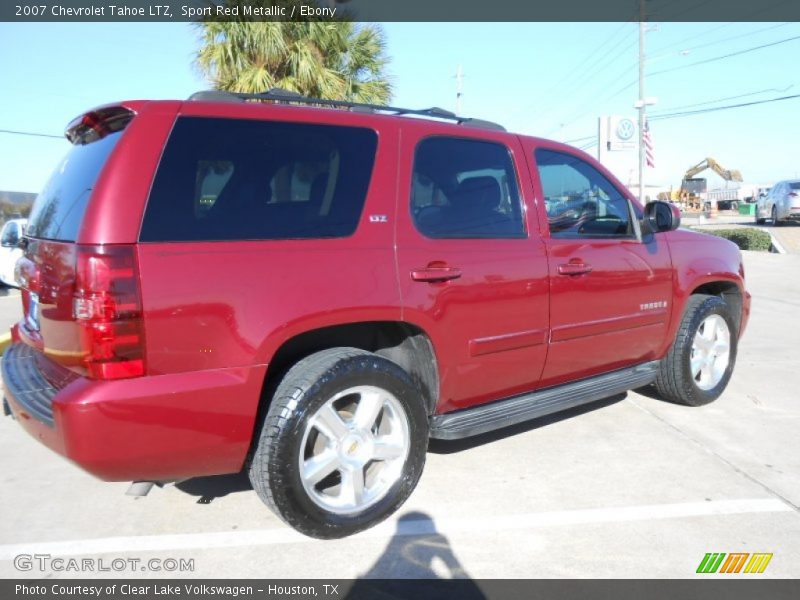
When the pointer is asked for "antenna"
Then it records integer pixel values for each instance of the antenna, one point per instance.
(459, 87)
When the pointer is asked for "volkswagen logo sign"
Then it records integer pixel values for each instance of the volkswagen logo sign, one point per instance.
(625, 129)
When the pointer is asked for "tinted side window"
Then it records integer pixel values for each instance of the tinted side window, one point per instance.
(465, 189)
(580, 201)
(235, 179)
(58, 210)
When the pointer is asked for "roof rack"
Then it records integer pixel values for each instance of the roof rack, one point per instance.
(289, 97)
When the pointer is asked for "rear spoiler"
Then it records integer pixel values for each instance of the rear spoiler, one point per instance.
(98, 123)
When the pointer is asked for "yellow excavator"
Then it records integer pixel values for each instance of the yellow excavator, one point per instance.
(692, 188)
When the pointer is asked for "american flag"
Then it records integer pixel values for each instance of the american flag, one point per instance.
(648, 146)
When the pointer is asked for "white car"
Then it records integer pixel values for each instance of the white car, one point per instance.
(10, 251)
(782, 202)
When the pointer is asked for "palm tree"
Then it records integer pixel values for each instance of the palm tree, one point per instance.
(335, 60)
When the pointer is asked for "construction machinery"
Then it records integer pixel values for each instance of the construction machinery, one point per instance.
(693, 189)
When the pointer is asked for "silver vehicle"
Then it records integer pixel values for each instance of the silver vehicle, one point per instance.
(782, 202)
(10, 252)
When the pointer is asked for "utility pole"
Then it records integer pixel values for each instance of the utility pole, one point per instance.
(459, 80)
(641, 103)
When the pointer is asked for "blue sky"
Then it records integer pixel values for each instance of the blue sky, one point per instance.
(546, 79)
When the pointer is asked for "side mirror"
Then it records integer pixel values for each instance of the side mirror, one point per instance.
(10, 239)
(660, 216)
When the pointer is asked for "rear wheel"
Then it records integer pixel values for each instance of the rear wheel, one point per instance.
(774, 216)
(698, 367)
(343, 444)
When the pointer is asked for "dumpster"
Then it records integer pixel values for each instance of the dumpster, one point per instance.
(747, 208)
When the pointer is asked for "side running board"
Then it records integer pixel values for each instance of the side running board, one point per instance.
(496, 415)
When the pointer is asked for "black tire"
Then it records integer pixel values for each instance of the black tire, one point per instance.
(675, 381)
(307, 386)
(774, 217)
(759, 221)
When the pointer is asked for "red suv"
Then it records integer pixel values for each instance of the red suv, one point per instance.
(310, 290)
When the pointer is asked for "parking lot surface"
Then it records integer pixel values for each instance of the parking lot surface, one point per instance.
(627, 487)
(787, 234)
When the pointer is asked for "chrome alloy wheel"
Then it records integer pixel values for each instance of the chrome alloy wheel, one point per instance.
(353, 449)
(711, 352)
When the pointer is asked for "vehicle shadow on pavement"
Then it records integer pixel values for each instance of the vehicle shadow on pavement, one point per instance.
(215, 486)
(650, 391)
(452, 446)
(416, 552)
(208, 489)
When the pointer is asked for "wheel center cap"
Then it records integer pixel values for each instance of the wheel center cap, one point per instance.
(354, 448)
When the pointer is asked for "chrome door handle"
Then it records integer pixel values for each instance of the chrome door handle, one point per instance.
(434, 274)
(574, 268)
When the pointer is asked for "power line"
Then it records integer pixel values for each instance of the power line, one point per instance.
(680, 42)
(717, 108)
(764, 91)
(31, 133)
(588, 137)
(574, 77)
(624, 88)
(597, 65)
(612, 61)
(716, 42)
(738, 37)
(590, 55)
(575, 116)
(724, 56)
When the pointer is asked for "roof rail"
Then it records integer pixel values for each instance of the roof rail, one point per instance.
(289, 97)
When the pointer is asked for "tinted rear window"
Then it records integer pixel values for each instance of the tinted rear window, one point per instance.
(58, 210)
(231, 179)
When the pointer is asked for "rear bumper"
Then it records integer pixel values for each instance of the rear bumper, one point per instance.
(788, 212)
(158, 428)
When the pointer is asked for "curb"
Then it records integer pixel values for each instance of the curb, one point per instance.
(775, 243)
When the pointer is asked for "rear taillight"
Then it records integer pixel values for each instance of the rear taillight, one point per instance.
(26, 275)
(107, 304)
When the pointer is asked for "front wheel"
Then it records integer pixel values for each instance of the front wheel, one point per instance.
(343, 443)
(699, 365)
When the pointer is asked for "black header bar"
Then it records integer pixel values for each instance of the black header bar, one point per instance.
(400, 10)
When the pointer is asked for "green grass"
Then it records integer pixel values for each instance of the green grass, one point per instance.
(746, 239)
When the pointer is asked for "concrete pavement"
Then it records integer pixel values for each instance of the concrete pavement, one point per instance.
(629, 487)
(787, 234)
